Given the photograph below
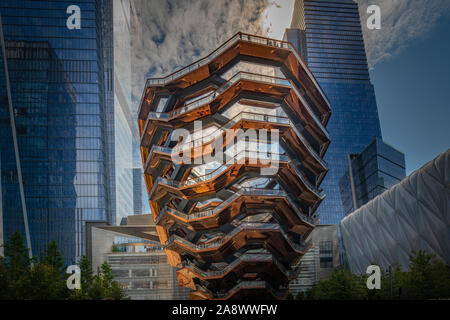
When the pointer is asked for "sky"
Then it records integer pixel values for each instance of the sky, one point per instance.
(410, 70)
(408, 57)
(413, 97)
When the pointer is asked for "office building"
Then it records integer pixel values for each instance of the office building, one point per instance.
(320, 260)
(376, 169)
(236, 227)
(139, 265)
(60, 115)
(412, 215)
(328, 36)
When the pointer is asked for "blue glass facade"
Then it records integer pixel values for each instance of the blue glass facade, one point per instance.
(377, 168)
(62, 96)
(336, 56)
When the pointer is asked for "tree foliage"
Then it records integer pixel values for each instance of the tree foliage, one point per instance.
(44, 278)
(97, 287)
(427, 278)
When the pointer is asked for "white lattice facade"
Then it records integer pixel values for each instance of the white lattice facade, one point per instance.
(412, 215)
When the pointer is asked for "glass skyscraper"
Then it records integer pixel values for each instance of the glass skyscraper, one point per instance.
(129, 183)
(61, 85)
(376, 169)
(328, 35)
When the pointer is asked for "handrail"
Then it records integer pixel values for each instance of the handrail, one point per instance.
(236, 195)
(161, 81)
(243, 154)
(240, 116)
(242, 285)
(237, 158)
(247, 257)
(240, 227)
(236, 77)
(243, 115)
(245, 75)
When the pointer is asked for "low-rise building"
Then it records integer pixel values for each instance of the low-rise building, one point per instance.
(320, 260)
(139, 265)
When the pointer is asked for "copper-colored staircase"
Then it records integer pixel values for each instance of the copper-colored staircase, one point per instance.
(230, 230)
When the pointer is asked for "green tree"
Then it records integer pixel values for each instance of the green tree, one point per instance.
(398, 284)
(16, 254)
(53, 257)
(86, 272)
(429, 277)
(112, 289)
(16, 266)
(43, 282)
(341, 285)
(46, 279)
(4, 280)
(97, 287)
(86, 280)
(21, 279)
(300, 295)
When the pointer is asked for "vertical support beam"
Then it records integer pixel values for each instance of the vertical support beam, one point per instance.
(16, 146)
(352, 182)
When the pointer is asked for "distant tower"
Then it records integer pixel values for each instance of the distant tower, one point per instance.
(328, 35)
(296, 34)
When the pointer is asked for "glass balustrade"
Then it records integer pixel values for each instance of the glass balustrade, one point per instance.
(239, 76)
(224, 204)
(240, 36)
(240, 227)
(247, 257)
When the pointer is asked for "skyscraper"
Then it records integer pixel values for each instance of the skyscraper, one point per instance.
(377, 168)
(129, 184)
(328, 35)
(60, 113)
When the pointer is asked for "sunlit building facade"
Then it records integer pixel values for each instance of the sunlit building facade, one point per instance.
(140, 266)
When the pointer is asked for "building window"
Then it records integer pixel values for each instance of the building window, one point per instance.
(326, 254)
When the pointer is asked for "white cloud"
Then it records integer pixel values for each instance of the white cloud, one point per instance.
(277, 17)
(171, 34)
(402, 22)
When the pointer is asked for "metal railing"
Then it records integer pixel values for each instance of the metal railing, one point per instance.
(253, 156)
(241, 116)
(238, 37)
(222, 206)
(240, 227)
(246, 257)
(241, 75)
(239, 193)
(244, 115)
(240, 157)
